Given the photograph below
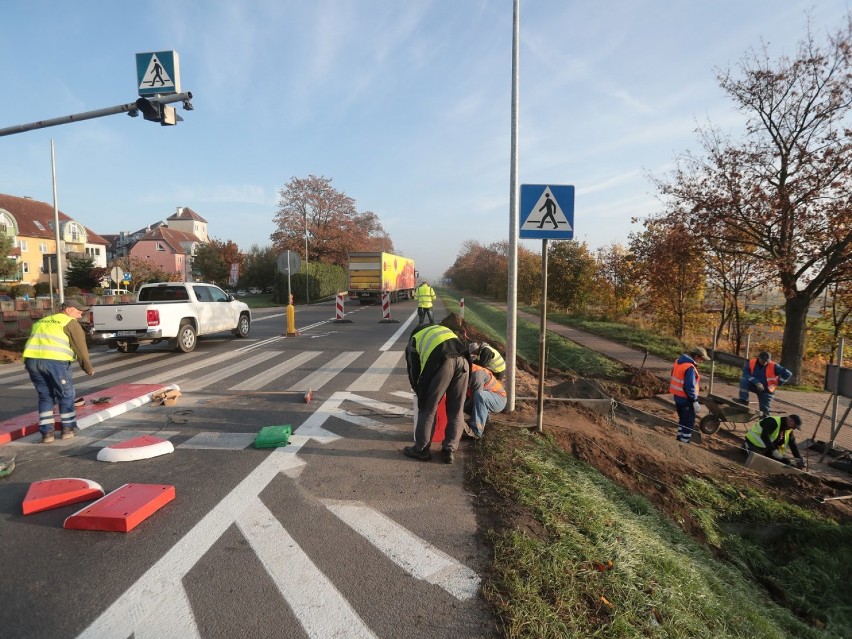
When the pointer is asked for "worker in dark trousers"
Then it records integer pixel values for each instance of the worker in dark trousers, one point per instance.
(425, 295)
(773, 437)
(438, 365)
(684, 387)
(762, 376)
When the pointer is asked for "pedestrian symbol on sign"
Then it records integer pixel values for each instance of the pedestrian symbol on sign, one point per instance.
(155, 73)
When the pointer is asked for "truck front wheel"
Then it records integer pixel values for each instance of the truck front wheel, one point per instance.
(243, 326)
(186, 339)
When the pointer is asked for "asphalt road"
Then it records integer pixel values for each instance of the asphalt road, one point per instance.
(335, 535)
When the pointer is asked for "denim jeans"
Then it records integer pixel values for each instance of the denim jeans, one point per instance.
(764, 397)
(52, 381)
(422, 312)
(483, 403)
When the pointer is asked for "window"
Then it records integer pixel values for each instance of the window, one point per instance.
(42, 247)
(39, 225)
(75, 232)
(25, 268)
(22, 244)
(160, 247)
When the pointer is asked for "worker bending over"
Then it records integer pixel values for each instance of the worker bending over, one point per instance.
(486, 355)
(773, 436)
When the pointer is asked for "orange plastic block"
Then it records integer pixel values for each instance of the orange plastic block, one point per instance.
(123, 509)
(309, 395)
(53, 493)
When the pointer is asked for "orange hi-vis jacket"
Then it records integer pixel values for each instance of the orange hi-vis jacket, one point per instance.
(678, 376)
(492, 384)
(771, 374)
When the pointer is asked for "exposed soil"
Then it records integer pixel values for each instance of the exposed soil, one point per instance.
(643, 457)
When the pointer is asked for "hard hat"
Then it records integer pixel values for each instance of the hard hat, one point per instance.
(763, 356)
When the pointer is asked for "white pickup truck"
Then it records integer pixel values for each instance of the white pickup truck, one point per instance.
(177, 312)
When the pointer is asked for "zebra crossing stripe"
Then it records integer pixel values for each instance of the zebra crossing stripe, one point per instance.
(216, 376)
(97, 380)
(416, 556)
(375, 377)
(317, 604)
(325, 373)
(261, 379)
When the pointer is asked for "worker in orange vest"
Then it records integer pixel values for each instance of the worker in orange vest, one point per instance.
(762, 376)
(684, 387)
(485, 395)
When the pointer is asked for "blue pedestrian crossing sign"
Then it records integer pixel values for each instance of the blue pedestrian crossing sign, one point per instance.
(158, 73)
(547, 212)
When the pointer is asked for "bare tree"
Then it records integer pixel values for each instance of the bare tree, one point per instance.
(783, 193)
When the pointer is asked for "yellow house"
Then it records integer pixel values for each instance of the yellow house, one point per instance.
(30, 224)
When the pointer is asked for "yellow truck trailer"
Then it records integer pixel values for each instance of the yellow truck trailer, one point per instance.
(371, 274)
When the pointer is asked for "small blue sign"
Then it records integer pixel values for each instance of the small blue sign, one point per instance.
(158, 73)
(546, 212)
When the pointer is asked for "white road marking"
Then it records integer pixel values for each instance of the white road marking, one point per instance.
(375, 377)
(198, 383)
(187, 369)
(261, 379)
(416, 556)
(220, 441)
(97, 380)
(403, 327)
(320, 608)
(325, 373)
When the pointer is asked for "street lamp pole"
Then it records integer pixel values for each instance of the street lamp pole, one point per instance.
(307, 280)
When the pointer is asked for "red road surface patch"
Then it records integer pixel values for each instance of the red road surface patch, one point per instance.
(53, 493)
(27, 424)
(123, 509)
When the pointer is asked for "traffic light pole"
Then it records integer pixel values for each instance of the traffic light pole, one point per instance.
(133, 108)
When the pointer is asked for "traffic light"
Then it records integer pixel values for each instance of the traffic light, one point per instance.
(155, 112)
(149, 109)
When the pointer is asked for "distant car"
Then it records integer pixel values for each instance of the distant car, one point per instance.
(241, 293)
(255, 291)
(6, 298)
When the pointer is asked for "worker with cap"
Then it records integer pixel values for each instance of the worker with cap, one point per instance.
(425, 295)
(762, 376)
(773, 436)
(684, 387)
(487, 356)
(55, 342)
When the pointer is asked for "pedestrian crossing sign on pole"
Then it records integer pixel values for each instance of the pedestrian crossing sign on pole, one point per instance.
(158, 73)
(546, 212)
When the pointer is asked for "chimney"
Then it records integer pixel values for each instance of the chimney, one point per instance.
(179, 211)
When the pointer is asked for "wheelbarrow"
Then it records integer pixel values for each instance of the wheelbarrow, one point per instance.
(724, 412)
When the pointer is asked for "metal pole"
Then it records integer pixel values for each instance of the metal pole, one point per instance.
(512, 291)
(56, 234)
(748, 345)
(713, 361)
(88, 115)
(307, 272)
(542, 338)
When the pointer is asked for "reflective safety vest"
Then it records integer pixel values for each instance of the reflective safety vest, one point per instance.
(678, 376)
(754, 435)
(496, 363)
(429, 339)
(49, 341)
(424, 294)
(493, 384)
(771, 375)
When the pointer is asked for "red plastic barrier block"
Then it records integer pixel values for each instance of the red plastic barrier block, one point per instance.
(123, 509)
(53, 493)
(440, 421)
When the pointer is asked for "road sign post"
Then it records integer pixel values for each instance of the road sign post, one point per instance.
(289, 262)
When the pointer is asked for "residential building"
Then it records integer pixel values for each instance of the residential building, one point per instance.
(30, 224)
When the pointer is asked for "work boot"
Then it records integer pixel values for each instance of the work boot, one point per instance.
(449, 457)
(47, 438)
(67, 433)
(422, 455)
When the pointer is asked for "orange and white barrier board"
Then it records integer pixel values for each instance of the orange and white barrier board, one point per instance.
(123, 509)
(142, 447)
(53, 493)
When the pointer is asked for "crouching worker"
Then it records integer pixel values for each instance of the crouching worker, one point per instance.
(485, 395)
(773, 436)
(437, 365)
(489, 357)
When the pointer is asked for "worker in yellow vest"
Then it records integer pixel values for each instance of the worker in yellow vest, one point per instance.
(773, 436)
(55, 342)
(425, 295)
(486, 355)
(438, 365)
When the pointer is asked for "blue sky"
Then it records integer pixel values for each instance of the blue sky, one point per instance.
(405, 105)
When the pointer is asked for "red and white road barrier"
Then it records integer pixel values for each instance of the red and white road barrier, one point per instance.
(461, 307)
(386, 307)
(339, 314)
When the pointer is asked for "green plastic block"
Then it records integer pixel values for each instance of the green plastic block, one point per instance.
(272, 436)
